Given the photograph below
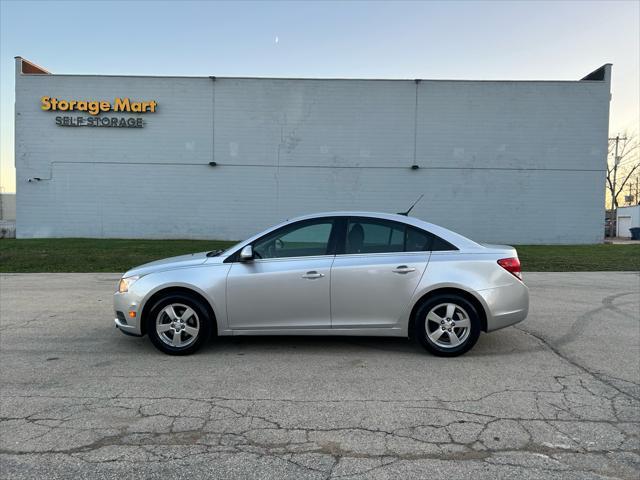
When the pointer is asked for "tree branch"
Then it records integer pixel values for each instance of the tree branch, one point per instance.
(626, 179)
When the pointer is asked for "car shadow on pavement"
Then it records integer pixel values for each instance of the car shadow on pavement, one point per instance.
(504, 342)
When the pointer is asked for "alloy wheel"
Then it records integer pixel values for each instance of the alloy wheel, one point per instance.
(447, 325)
(177, 325)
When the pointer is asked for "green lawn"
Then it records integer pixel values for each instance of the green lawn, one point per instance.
(579, 258)
(97, 255)
(92, 255)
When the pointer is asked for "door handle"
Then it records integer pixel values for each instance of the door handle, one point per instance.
(313, 274)
(404, 269)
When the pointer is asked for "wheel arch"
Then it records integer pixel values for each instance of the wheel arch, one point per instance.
(164, 291)
(481, 309)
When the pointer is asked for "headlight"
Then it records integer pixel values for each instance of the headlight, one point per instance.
(125, 283)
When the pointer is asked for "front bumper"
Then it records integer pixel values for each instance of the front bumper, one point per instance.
(124, 305)
(506, 305)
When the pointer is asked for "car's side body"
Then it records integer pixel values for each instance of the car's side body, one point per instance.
(340, 293)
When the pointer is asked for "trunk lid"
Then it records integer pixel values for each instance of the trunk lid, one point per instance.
(506, 250)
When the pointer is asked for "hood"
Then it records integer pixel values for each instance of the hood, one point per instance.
(170, 264)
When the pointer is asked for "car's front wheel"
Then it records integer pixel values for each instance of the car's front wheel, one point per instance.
(178, 324)
(447, 325)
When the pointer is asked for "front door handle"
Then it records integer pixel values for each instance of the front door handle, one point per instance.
(404, 269)
(313, 274)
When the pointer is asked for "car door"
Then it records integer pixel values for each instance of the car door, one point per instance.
(374, 276)
(287, 284)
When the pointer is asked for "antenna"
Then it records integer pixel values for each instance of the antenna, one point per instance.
(406, 214)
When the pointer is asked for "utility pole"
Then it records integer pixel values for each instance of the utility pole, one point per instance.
(614, 203)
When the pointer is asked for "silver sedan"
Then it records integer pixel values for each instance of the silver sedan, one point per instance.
(341, 273)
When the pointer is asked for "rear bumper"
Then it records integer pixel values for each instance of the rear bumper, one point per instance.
(506, 305)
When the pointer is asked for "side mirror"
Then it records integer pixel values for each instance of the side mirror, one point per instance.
(246, 253)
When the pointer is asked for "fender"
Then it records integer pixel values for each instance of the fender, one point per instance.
(208, 280)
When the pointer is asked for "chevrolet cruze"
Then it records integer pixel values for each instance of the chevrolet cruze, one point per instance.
(342, 273)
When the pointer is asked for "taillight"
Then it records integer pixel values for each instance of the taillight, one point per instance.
(511, 265)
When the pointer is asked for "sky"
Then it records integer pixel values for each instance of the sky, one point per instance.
(478, 40)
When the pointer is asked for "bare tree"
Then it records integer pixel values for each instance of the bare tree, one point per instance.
(622, 162)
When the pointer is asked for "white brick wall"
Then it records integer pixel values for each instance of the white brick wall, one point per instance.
(510, 162)
(7, 206)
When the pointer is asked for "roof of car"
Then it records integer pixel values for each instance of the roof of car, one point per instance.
(354, 213)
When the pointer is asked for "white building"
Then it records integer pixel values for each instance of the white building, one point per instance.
(210, 157)
(626, 219)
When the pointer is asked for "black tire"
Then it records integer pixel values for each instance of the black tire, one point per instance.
(439, 302)
(202, 316)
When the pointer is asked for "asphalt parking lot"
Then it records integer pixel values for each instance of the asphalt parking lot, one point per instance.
(557, 396)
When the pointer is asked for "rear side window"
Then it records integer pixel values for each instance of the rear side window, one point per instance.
(417, 240)
(438, 244)
(369, 236)
(365, 235)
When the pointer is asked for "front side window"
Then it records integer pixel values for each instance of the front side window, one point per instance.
(297, 240)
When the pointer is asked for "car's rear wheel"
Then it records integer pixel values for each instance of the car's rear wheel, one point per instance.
(178, 324)
(447, 325)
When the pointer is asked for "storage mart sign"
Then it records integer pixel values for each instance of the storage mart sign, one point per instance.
(94, 108)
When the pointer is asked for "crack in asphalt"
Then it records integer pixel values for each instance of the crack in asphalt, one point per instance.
(241, 426)
(577, 365)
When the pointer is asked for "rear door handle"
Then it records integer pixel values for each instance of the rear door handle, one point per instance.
(404, 269)
(313, 274)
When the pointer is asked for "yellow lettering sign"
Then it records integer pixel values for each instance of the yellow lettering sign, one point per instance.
(94, 107)
(121, 105)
